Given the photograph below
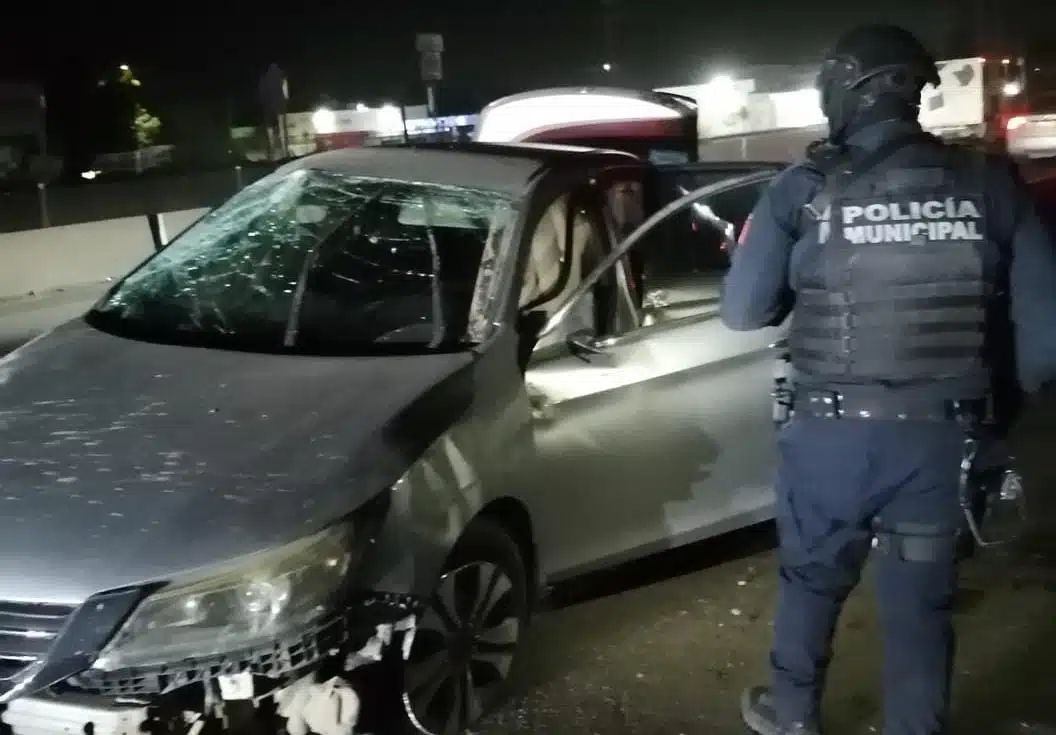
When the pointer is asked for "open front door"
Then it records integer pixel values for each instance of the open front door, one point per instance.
(654, 427)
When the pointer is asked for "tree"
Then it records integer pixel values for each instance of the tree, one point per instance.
(146, 127)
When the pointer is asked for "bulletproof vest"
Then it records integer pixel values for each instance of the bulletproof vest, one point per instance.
(898, 289)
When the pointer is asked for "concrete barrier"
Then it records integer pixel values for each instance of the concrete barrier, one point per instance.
(101, 199)
(37, 261)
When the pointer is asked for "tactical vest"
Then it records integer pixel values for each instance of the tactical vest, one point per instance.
(898, 290)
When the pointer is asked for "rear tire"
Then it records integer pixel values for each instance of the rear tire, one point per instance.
(466, 640)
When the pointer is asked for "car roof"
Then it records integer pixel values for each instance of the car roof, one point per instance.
(507, 168)
(672, 100)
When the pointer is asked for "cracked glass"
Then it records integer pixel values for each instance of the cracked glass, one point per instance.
(318, 261)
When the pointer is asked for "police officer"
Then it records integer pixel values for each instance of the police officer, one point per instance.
(894, 255)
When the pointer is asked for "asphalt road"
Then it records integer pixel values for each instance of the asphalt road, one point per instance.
(665, 646)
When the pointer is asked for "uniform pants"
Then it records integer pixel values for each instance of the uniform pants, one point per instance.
(840, 483)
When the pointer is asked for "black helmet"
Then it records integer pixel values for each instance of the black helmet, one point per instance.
(867, 62)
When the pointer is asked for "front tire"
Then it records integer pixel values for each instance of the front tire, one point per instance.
(466, 640)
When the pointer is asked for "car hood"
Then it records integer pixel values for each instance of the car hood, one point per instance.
(127, 461)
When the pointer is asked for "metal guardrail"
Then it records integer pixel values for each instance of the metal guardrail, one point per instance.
(138, 160)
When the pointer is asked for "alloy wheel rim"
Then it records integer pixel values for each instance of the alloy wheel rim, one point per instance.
(463, 648)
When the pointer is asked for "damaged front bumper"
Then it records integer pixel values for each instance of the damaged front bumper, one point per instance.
(340, 677)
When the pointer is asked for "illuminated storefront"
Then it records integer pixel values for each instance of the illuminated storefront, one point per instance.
(387, 124)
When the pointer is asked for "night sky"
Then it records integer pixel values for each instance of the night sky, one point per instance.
(213, 54)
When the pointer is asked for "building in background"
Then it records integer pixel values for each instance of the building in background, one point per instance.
(359, 125)
(972, 101)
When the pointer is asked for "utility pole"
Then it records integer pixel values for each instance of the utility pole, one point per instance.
(274, 93)
(430, 59)
(42, 153)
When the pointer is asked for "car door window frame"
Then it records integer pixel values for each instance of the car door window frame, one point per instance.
(558, 340)
(701, 276)
(620, 250)
(529, 209)
(623, 313)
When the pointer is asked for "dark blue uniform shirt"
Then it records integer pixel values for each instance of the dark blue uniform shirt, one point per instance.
(759, 289)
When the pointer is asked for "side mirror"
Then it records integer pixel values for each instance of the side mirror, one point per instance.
(584, 344)
(656, 298)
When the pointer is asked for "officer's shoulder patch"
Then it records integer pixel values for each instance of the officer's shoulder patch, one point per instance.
(802, 171)
(826, 157)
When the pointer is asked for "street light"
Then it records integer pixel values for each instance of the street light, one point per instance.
(723, 96)
(390, 120)
(721, 82)
(324, 120)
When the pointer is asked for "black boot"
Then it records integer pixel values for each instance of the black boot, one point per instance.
(757, 709)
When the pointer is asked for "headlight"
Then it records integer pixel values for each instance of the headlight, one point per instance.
(262, 597)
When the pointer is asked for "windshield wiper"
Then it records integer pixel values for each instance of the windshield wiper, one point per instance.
(293, 322)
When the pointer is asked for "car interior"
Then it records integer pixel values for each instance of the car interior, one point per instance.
(677, 267)
(563, 240)
(567, 244)
(390, 246)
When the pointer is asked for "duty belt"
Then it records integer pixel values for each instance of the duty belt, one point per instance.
(831, 404)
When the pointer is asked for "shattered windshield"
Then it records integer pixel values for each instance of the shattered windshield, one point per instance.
(321, 262)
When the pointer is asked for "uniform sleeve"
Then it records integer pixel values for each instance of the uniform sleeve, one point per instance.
(1032, 286)
(756, 292)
